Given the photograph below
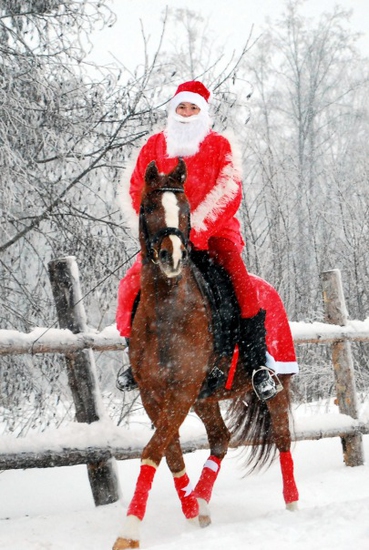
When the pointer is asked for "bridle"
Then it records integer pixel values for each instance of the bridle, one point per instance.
(153, 242)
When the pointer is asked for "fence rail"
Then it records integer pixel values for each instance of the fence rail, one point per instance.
(44, 340)
(76, 342)
(49, 455)
(64, 341)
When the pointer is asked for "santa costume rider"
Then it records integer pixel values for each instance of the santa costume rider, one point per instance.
(214, 191)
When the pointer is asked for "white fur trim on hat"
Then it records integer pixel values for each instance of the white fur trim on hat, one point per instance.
(189, 97)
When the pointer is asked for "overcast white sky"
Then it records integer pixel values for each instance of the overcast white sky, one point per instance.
(230, 19)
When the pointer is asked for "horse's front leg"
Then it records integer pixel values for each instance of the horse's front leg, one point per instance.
(218, 436)
(182, 484)
(279, 411)
(168, 420)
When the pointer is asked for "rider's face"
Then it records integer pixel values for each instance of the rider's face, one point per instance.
(187, 109)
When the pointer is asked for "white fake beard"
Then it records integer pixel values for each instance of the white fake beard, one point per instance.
(184, 134)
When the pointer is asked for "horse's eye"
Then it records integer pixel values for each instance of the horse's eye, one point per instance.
(149, 209)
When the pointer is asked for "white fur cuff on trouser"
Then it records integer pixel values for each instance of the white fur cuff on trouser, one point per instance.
(281, 367)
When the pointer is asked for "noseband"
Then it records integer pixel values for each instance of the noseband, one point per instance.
(151, 241)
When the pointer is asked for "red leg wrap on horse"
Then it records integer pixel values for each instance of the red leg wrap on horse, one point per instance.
(290, 492)
(138, 503)
(190, 506)
(208, 477)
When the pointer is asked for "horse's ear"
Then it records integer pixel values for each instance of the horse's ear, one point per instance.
(151, 174)
(179, 173)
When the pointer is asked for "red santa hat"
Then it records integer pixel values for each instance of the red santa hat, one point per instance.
(191, 92)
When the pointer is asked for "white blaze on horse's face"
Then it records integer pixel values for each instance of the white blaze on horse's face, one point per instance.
(171, 210)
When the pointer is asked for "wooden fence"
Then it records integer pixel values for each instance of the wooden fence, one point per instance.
(77, 343)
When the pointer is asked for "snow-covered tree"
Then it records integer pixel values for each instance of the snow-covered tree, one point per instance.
(67, 130)
(310, 83)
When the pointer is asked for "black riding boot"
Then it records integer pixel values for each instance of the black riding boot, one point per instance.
(253, 353)
(215, 379)
(125, 380)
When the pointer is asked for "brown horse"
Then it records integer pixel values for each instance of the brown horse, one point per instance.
(171, 352)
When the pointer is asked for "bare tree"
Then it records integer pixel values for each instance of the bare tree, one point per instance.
(66, 136)
(307, 84)
(305, 168)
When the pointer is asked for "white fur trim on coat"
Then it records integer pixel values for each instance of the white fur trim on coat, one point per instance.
(216, 201)
(124, 198)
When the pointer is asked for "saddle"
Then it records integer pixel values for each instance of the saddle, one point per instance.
(216, 285)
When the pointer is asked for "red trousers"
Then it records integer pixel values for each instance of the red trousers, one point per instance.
(227, 254)
(252, 293)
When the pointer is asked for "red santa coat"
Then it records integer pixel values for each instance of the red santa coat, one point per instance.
(213, 186)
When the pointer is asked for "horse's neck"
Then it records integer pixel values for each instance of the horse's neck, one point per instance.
(164, 295)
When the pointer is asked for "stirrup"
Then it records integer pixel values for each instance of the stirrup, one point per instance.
(264, 384)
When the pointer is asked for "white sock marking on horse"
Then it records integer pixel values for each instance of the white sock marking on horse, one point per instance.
(131, 528)
(203, 507)
(171, 209)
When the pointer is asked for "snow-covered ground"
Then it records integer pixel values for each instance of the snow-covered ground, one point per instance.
(52, 509)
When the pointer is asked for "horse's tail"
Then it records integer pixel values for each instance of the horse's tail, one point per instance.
(249, 422)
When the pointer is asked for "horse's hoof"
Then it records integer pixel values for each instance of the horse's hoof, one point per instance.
(292, 506)
(121, 544)
(194, 522)
(204, 513)
(204, 521)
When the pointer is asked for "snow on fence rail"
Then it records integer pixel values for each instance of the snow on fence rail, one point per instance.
(95, 441)
(102, 440)
(44, 340)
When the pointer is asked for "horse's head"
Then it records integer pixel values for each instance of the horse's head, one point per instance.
(165, 219)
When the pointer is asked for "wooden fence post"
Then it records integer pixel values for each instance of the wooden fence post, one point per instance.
(64, 278)
(336, 313)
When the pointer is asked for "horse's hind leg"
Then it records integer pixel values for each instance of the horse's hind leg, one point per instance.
(218, 436)
(279, 411)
